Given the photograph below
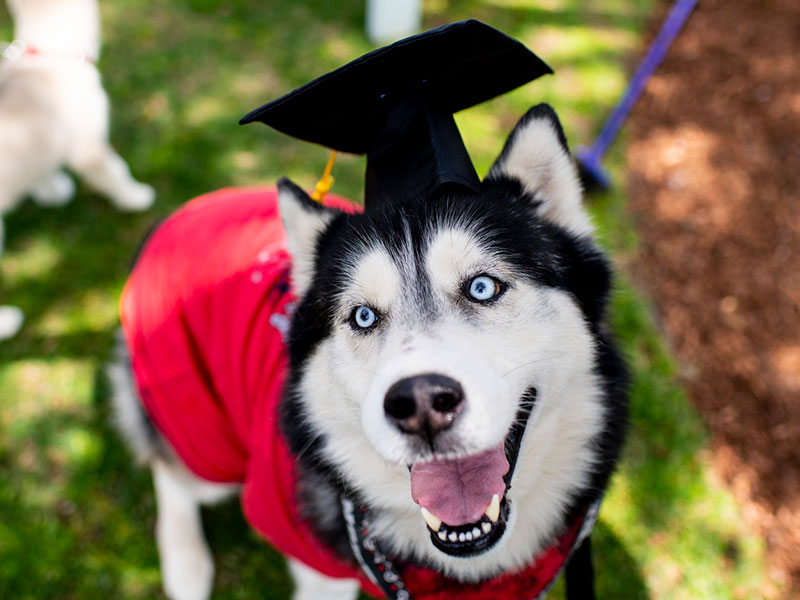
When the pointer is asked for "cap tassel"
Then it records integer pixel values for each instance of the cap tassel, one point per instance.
(325, 183)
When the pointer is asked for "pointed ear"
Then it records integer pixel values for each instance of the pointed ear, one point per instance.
(304, 221)
(536, 154)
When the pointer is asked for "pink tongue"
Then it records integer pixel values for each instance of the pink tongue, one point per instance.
(459, 490)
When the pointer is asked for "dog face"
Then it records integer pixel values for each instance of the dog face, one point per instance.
(444, 355)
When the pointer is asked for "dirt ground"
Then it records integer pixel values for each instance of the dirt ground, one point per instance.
(714, 160)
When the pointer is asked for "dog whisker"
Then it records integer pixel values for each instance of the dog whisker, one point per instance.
(308, 446)
(534, 361)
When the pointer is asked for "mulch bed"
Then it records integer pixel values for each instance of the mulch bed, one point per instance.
(714, 182)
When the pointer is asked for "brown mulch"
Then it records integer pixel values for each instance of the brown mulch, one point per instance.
(714, 159)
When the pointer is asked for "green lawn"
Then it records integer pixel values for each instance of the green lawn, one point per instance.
(76, 519)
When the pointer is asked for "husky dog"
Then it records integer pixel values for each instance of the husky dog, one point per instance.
(449, 371)
(54, 112)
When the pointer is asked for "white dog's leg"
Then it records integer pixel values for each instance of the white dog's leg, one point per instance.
(11, 320)
(187, 568)
(313, 585)
(55, 190)
(11, 317)
(105, 171)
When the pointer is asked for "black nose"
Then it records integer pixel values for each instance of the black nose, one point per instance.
(424, 404)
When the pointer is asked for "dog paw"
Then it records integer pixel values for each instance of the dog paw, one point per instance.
(138, 197)
(11, 319)
(56, 190)
(312, 585)
(188, 574)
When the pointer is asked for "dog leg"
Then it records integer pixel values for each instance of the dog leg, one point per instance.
(11, 317)
(55, 190)
(580, 574)
(313, 585)
(187, 568)
(11, 320)
(106, 172)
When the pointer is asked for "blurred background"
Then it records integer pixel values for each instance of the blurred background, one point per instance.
(703, 222)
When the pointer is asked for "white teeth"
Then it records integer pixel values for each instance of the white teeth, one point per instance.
(493, 510)
(480, 529)
(432, 520)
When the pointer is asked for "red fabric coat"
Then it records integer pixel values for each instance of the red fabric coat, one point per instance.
(204, 313)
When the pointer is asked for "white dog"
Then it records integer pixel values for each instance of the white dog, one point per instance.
(55, 113)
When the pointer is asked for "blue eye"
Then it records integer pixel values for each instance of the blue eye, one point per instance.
(484, 288)
(364, 317)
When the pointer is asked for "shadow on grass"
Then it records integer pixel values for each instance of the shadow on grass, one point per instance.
(73, 514)
(618, 573)
(661, 455)
(65, 294)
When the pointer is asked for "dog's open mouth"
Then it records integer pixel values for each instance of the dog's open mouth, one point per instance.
(463, 500)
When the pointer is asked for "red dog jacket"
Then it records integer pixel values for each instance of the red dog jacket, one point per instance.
(204, 313)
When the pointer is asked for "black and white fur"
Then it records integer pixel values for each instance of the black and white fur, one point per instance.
(409, 263)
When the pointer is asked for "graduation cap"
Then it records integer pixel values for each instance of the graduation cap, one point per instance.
(396, 105)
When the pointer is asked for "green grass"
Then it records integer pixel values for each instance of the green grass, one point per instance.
(76, 519)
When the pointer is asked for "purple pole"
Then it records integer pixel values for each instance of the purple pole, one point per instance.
(591, 158)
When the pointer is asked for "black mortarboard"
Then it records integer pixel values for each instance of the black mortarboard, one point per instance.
(396, 105)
